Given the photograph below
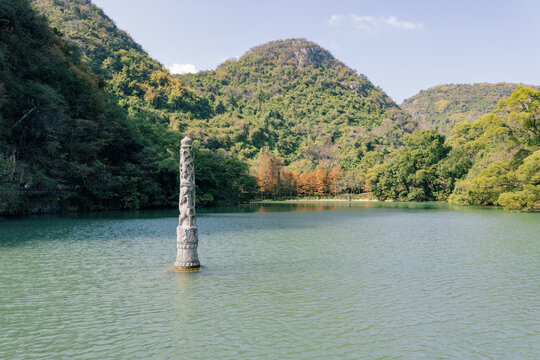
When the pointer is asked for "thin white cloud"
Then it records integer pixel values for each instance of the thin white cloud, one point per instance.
(179, 69)
(400, 24)
(335, 20)
(372, 23)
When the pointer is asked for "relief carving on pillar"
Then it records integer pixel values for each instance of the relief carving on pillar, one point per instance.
(186, 232)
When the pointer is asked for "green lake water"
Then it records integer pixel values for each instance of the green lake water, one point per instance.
(329, 280)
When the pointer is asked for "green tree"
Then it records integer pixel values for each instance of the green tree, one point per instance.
(522, 110)
(502, 148)
(411, 173)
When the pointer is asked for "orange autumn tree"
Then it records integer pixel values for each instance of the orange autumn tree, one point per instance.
(268, 174)
(307, 183)
(333, 180)
(287, 182)
(299, 182)
(273, 179)
(312, 182)
(321, 177)
(303, 183)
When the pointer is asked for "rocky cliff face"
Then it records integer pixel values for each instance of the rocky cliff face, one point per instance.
(298, 51)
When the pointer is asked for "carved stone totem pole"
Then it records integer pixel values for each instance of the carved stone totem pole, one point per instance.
(186, 232)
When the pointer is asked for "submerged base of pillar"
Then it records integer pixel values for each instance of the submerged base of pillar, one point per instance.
(186, 268)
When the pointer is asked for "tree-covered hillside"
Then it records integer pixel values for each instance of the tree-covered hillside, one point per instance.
(295, 99)
(89, 121)
(65, 143)
(141, 84)
(443, 106)
(290, 97)
(62, 139)
(494, 160)
(504, 148)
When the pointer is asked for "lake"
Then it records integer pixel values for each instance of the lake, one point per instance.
(280, 281)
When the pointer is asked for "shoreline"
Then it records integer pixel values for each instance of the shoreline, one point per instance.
(4, 216)
(319, 200)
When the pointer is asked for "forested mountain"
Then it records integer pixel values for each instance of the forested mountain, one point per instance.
(296, 100)
(443, 106)
(291, 98)
(89, 121)
(65, 143)
(141, 84)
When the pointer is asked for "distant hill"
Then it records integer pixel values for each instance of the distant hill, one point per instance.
(294, 98)
(443, 106)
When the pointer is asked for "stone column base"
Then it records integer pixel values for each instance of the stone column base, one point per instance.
(186, 268)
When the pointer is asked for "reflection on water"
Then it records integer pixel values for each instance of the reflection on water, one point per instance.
(334, 205)
(322, 205)
(313, 280)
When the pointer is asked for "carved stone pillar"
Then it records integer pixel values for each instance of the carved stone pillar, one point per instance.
(186, 232)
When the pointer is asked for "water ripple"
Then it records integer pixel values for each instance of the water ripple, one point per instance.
(361, 282)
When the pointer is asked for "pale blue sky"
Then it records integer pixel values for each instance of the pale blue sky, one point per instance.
(401, 46)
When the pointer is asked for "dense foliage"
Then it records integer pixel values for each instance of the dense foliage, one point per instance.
(294, 98)
(504, 148)
(275, 180)
(89, 121)
(492, 161)
(412, 174)
(61, 137)
(142, 85)
(66, 143)
(443, 106)
(289, 97)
